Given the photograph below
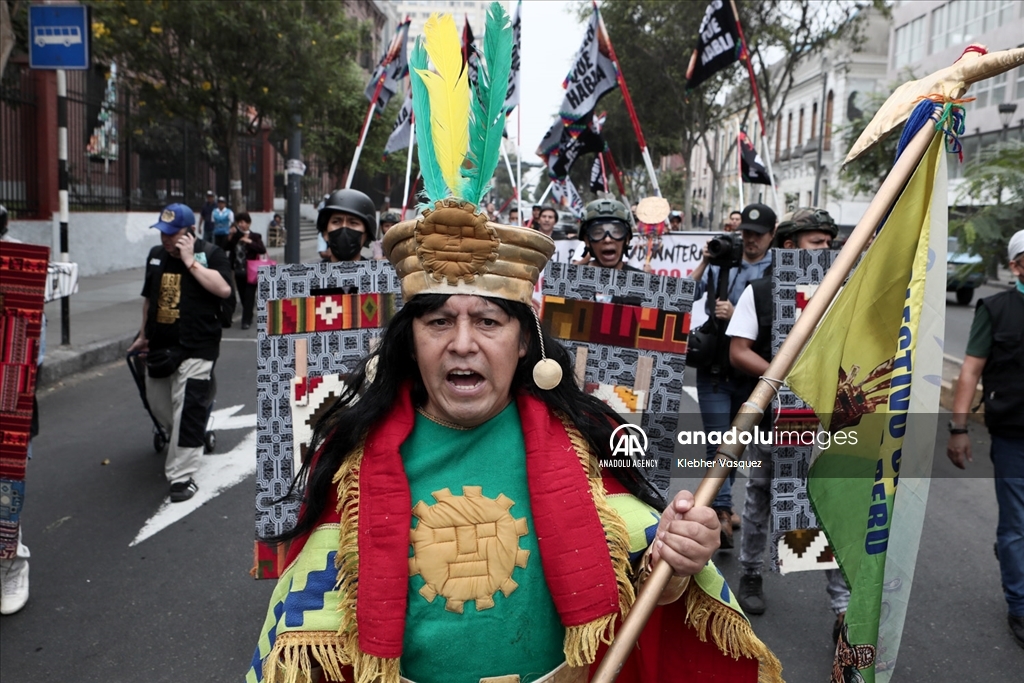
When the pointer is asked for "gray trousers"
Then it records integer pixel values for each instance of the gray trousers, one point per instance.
(180, 404)
(756, 514)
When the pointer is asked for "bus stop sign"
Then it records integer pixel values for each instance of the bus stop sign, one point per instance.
(58, 37)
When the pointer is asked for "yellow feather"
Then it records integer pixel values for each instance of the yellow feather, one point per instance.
(449, 98)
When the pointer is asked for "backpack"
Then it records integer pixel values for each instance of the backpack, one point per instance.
(228, 303)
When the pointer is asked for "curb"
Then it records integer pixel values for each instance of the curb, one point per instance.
(62, 362)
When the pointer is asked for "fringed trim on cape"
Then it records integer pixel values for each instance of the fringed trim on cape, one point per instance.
(582, 642)
(294, 654)
(370, 669)
(730, 632)
(347, 559)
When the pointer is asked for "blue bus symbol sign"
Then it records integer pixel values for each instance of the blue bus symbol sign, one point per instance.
(58, 37)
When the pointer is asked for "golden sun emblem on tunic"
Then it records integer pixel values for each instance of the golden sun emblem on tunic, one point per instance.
(465, 547)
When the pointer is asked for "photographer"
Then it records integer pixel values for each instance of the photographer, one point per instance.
(729, 264)
(750, 352)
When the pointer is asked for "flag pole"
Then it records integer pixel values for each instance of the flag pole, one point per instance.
(519, 163)
(388, 58)
(617, 174)
(745, 58)
(551, 183)
(604, 171)
(364, 131)
(408, 163)
(511, 178)
(752, 411)
(739, 164)
(621, 78)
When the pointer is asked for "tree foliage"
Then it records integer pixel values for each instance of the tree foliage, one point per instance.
(654, 40)
(995, 180)
(864, 175)
(232, 67)
(651, 42)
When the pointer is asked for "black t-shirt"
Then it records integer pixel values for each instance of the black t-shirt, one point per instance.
(181, 311)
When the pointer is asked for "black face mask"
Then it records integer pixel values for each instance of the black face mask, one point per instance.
(345, 243)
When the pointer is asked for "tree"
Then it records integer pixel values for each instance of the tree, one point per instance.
(864, 175)
(995, 180)
(228, 67)
(646, 33)
(674, 120)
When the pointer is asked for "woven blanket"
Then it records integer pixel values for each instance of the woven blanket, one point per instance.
(23, 270)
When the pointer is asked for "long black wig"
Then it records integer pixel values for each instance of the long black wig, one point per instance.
(364, 403)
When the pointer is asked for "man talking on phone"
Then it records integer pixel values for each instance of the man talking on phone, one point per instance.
(186, 279)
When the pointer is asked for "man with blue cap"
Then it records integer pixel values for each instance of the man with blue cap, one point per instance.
(186, 280)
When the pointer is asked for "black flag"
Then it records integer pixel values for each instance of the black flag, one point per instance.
(597, 176)
(718, 44)
(751, 165)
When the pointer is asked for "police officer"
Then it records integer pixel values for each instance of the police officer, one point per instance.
(750, 352)
(607, 229)
(347, 222)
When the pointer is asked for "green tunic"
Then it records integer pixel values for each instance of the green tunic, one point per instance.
(472, 537)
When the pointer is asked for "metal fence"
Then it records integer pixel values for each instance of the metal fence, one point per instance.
(114, 162)
(19, 174)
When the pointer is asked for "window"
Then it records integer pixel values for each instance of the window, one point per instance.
(961, 21)
(828, 122)
(988, 92)
(800, 128)
(814, 121)
(789, 132)
(910, 42)
(1019, 95)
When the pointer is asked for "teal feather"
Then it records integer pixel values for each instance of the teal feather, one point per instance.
(433, 182)
(488, 105)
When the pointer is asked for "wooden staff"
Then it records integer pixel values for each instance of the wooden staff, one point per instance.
(750, 413)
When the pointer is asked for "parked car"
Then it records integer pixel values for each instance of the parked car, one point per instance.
(964, 272)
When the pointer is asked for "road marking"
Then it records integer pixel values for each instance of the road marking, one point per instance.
(217, 473)
(225, 419)
(692, 393)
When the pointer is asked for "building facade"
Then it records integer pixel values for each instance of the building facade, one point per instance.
(928, 35)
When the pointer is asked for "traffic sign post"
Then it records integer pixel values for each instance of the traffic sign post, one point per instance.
(59, 39)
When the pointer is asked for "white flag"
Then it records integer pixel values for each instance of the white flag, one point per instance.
(592, 75)
(399, 138)
(512, 98)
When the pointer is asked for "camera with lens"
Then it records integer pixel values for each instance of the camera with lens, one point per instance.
(726, 250)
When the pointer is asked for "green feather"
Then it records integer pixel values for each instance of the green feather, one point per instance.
(488, 105)
(433, 183)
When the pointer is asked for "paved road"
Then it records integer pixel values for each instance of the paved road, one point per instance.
(180, 605)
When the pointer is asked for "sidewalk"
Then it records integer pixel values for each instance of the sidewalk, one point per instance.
(105, 317)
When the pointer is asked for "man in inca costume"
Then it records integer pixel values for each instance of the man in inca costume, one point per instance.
(455, 525)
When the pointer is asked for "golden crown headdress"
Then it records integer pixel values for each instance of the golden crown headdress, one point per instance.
(453, 248)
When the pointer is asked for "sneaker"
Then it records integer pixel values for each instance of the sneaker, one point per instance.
(183, 490)
(14, 578)
(724, 516)
(750, 595)
(1016, 623)
(245, 326)
(837, 628)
